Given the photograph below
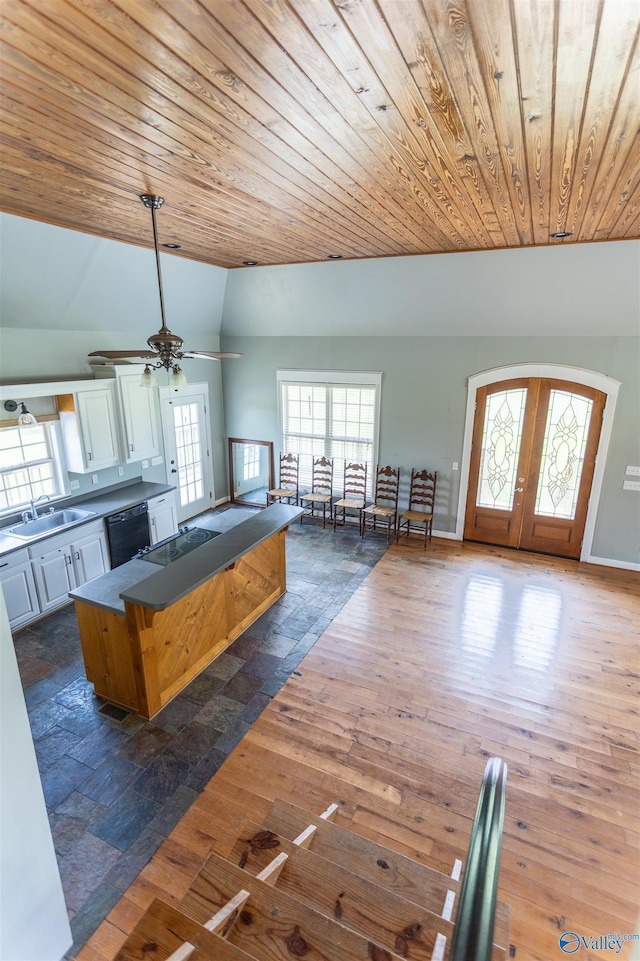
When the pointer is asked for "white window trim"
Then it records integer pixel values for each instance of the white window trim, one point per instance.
(57, 458)
(339, 378)
(578, 375)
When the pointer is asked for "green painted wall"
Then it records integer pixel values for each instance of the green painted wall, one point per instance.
(424, 393)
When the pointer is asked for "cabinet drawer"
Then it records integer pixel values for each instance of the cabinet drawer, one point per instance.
(14, 559)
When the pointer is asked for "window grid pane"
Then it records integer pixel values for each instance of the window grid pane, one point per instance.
(251, 461)
(187, 435)
(27, 469)
(331, 421)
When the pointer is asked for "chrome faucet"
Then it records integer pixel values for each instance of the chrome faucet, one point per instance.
(34, 512)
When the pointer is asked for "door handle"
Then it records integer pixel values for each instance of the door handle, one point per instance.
(519, 490)
(173, 470)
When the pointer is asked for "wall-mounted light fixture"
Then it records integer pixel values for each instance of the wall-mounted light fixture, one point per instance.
(25, 418)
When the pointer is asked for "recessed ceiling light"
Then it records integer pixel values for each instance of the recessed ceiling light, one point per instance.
(172, 246)
(335, 256)
(250, 263)
(561, 233)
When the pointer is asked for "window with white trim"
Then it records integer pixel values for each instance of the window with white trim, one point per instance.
(333, 414)
(29, 466)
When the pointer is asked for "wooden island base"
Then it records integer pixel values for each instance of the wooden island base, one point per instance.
(143, 659)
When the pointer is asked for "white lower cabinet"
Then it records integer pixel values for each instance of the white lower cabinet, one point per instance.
(67, 563)
(162, 517)
(19, 588)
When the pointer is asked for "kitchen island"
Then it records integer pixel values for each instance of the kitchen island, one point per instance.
(146, 630)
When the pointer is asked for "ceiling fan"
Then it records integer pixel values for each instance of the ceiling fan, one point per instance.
(165, 347)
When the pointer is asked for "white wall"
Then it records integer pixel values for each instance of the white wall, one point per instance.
(33, 915)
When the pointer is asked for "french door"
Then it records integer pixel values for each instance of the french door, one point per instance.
(532, 460)
(187, 448)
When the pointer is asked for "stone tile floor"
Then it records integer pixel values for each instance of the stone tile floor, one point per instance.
(115, 785)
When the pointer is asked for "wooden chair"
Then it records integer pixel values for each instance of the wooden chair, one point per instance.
(354, 494)
(289, 489)
(422, 495)
(385, 505)
(321, 488)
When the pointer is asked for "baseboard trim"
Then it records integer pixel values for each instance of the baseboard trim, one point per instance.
(609, 562)
(448, 535)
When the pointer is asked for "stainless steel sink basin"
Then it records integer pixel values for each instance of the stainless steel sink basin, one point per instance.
(47, 523)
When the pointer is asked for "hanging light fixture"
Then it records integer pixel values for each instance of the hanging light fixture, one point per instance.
(165, 349)
(25, 417)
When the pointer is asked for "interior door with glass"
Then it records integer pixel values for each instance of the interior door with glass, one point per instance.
(188, 448)
(532, 461)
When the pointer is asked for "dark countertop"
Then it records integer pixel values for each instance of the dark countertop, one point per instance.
(159, 588)
(102, 503)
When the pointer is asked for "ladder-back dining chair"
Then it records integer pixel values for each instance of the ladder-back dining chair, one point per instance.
(321, 488)
(353, 496)
(289, 489)
(385, 505)
(419, 515)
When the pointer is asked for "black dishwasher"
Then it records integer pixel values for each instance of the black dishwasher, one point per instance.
(127, 533)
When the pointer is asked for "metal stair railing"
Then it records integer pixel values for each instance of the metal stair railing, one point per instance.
(473, 933)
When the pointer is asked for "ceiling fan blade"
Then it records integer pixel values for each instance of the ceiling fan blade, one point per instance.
(207, 354)
(123, 353)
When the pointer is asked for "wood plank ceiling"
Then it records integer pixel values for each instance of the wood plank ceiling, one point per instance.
(283, 131)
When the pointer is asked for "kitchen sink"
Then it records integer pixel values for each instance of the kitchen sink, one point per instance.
(55, 521)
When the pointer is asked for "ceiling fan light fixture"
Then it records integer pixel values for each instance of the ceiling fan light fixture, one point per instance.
(177, 377)
(148, 378)
(164, 349)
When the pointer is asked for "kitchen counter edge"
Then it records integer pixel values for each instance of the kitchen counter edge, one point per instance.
(102, 504)
(163, 587)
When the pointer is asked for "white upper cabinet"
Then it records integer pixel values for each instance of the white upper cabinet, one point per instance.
(89, 425)
(140, 417)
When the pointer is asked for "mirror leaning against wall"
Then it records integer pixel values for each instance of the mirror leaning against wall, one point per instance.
(251, 472)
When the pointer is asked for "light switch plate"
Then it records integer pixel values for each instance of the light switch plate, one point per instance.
(145, 464)
(631, 486)
(74, 485)
(155, 461)
(633, 470)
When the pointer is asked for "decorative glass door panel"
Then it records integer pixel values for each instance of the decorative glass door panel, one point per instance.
(564, 444)
(532, 461)
(501, 436)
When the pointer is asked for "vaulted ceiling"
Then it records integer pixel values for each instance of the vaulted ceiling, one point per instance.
(286, 131)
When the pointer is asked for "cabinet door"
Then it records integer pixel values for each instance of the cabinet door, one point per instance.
(140, 418)
(99, 434)
(89, 557)
(54, 578)
(19, 589)
(162, 519)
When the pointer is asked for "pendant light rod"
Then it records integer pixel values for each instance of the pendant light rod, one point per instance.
(153, 202)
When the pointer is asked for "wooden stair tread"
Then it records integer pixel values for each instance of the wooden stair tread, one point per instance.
(411, 880)
(274, 926)
(163, 929)
(358, 903)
